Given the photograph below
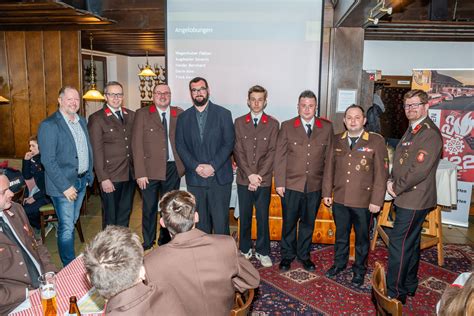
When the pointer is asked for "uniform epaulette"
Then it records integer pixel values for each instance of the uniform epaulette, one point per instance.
(427, 125)
(325, 119)
(374, 133)
(178, 107)
(274, 118)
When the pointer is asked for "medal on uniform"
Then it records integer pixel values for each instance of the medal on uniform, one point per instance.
(367, 168)
(357, 167)
(401, 161)
(363, 162)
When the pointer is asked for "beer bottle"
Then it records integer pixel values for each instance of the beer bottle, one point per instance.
(73, 309)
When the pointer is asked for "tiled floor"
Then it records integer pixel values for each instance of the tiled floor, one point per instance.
(91, 224)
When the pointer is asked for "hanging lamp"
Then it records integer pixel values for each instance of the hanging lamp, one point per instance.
(93, 94)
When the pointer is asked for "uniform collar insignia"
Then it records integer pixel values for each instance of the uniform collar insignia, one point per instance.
(264, 118)
(344, 135)
(152, 108)
(297, 122)
(317, 122)
(173, 112)
(248, 118)
(416, 129)
(9, 213)
(124, 110)
(107, 111)
(365, 136)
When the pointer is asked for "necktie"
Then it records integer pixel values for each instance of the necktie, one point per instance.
(33, 272)
(165, 126)
(410, 134)
(119, 115)
(353, 141)
(255, 122)
(308, 130)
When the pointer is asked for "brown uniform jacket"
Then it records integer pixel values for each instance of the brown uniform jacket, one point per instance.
(300, 160)
(254, 149)
(111, 144)
(205, 270)
(360, 175)
(146, 299)
(14, 276)
(414, 167)
(149, 144)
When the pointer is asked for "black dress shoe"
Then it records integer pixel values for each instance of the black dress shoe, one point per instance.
(308, 265)
(285, 264)
(357, 279)
(333, 271)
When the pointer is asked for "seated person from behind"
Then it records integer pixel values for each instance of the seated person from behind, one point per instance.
(114, 263)
(35, 193)
(205, 270)
(22, 259)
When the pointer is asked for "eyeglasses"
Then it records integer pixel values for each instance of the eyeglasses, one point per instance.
(194, 90)
(412, 106)
(165, 94)
(115, 95)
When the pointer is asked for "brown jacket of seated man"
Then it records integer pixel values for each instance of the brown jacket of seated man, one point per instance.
(205, 270)
(15, 280)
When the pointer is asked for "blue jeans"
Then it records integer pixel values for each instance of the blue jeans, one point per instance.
(68, 213)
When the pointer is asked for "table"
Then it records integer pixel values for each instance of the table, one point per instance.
(70, 281)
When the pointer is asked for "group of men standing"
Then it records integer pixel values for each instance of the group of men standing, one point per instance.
(158, 144)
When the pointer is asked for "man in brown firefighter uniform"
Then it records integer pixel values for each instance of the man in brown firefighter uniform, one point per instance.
(360, 175)
(413, 185)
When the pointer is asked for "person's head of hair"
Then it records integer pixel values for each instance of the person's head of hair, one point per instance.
(113, 260)
(457, 301)
(355, 106)
(33, 138)
(308, 94)
(422, 95)
(63, 90)
(112, 83)
(177, 211)
(196, 80)
(258, 89)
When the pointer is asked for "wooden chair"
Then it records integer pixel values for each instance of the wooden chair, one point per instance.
(242, 303)
(431, 234)
(383, 304)
(18, 196)
(46, 216)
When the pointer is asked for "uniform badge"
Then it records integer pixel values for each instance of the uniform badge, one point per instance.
(401, 161)
(10, 213)
(363, 162)
(420, 157)
(357, 167)
(367, 168)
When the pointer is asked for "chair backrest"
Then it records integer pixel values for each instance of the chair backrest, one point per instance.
(384, 305)
(18, 196)
(242, 303)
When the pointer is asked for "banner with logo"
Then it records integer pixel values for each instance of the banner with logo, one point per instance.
(451, 100)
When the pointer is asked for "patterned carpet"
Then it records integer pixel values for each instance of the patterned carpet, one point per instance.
(298, 292)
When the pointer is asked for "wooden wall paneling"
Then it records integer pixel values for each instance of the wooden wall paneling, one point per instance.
(17, 71)
(71, 66)
(52, 69)
(7, 141)
(36, 80)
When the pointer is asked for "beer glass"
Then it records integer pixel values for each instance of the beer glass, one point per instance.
(48, 293)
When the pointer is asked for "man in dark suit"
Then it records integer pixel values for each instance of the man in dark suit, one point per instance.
(302, 171)
(360, 178)
(66, 155)
(115, 266)
(413, 185)
(158, 168)
(22, 258)
(204, 141)
(110, 132)
(255, 142)
(193, 258)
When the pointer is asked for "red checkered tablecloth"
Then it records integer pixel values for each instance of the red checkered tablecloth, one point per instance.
(70, 281)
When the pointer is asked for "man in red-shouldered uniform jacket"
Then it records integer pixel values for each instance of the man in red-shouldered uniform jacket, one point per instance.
(302, 171)
(413, 185)
(255, 142)
(110, 132)
(158, 168)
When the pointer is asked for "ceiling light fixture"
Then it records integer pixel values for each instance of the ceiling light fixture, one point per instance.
(146, 71)
(93, 94)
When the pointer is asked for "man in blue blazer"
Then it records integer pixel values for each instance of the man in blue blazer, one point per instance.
(204, 142)
(66, 155)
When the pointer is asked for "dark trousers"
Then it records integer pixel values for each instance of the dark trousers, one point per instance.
(153, 192)
(344, 217)
(117, 205)
(404, 251)
(299, 213)
(247, 199)
(33, 213)
(212, 203)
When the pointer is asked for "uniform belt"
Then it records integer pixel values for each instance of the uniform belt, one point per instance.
(82, 175)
